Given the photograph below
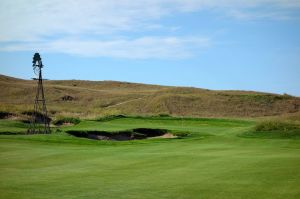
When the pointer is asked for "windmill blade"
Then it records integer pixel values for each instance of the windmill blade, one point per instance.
(36, 70)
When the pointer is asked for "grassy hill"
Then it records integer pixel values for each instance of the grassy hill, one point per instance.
(94, 98)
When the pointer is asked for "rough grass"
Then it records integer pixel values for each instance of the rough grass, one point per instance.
(62, 120)
(109, 117)
(280, 127)
(221, 165)
(276, 125)
(91, 99)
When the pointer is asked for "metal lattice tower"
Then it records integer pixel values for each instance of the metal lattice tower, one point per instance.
(39, 120)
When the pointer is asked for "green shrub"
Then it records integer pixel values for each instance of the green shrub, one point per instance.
(275, 125)
(62, 120)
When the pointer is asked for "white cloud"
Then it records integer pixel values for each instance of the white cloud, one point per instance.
(47, 23)
(251, 15)
(140, 48)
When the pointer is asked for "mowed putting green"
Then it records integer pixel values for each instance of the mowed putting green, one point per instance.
(213, 161)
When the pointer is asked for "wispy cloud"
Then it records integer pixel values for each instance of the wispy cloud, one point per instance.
(140, 48)
(49, 25)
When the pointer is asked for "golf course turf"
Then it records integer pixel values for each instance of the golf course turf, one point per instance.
(212, 160)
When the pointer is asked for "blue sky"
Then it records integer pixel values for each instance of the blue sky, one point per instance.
(228, 44)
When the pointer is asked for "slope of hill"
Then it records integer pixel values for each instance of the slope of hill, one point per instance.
(95, 98)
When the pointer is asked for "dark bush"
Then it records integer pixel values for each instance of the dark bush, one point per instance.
(164, 115)
(4, 114)
(67, 98)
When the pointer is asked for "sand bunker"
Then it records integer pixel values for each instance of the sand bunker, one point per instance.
(134, 134)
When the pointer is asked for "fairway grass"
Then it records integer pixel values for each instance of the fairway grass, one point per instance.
(213, 161)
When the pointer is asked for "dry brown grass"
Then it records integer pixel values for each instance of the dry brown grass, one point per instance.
(92, 99)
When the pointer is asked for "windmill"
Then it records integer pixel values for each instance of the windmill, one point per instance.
(39, 119)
